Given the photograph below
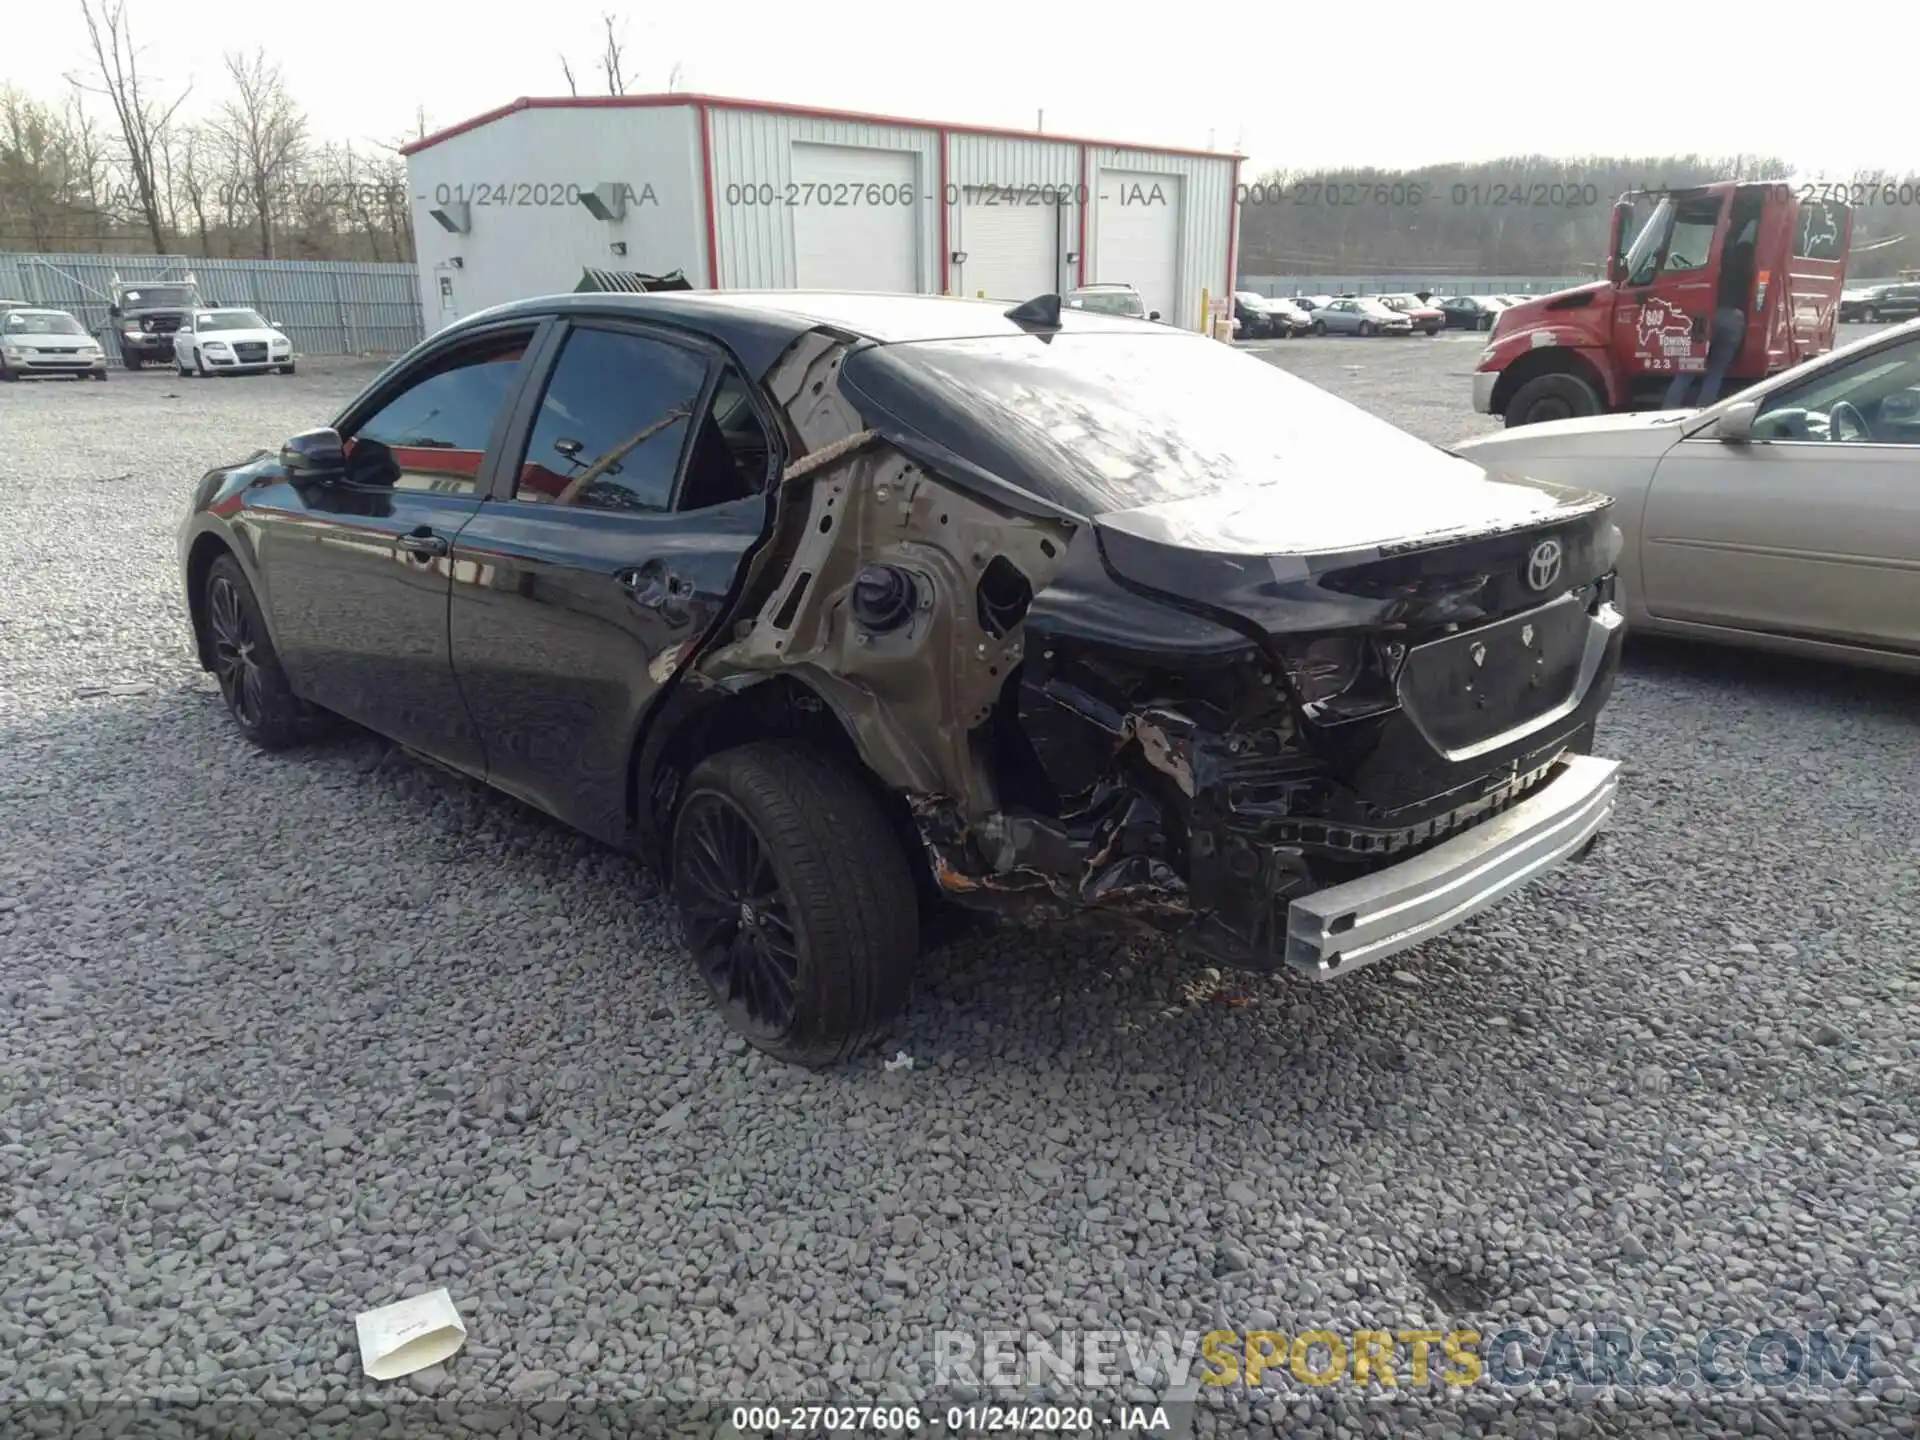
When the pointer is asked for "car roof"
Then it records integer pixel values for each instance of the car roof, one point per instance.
(40, 310)
(780, 316)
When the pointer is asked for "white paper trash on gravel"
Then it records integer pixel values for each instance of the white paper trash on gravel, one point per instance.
(409, 1335)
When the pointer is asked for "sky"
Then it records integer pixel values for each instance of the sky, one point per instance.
(1388, 85)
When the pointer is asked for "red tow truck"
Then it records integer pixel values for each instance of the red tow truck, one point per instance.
(1617, 344)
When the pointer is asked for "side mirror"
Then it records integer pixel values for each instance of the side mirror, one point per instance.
(1735, 425)
(1153, 314)
(114, 310)
(314, 455)
(1617, 262)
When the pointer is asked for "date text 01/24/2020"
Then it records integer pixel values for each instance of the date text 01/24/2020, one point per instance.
(954, 1420)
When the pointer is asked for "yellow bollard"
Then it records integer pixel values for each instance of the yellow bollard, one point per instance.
(1205, 315)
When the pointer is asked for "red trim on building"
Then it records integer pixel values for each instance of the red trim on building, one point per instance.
(946, 239)
(706, 188)
(1233, 226)
(1086, 199)
(652, 102)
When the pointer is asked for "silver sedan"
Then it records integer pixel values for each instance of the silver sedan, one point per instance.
(1359, 317)
(1785, 517)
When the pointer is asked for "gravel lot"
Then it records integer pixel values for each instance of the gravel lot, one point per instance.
(285, 1038)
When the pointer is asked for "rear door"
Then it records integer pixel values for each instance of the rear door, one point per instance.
(637, 481)
(1812, 531)
(357, 571)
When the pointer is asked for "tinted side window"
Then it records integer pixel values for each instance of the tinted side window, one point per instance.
(613, 423)
(433, 435)
(731, 454)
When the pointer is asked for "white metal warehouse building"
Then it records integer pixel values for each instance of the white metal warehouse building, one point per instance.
(741, 195)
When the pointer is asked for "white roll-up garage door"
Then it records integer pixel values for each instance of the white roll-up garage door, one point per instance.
(856, 245)
(1138, 240)
(1009, 250)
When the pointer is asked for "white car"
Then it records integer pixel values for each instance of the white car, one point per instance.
(1785, 517)
(229, 341)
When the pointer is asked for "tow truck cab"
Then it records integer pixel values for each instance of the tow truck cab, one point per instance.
(1617, 344)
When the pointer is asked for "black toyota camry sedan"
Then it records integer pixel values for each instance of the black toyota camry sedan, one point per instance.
(839, 608)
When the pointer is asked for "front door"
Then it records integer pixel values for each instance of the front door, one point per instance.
(358, 569)
(1813, 530)
(608, 551)
(1665, 305)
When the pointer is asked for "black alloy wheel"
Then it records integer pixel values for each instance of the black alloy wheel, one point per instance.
(243, 660)
(235, 648)
(739, 919)
(796, 898)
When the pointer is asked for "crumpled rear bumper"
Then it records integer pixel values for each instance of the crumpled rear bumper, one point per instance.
(1336, 931)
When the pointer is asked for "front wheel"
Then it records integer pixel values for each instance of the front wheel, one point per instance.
(133, 359)
(252, 683)
(796, 901)
(1366, 327)
(1551, 397)
(1319, 327)
(287, 369)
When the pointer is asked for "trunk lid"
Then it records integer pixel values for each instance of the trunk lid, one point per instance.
(1369, 553)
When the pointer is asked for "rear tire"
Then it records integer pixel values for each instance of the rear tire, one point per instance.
(795, 900)
(1551, 397)
(262, 704)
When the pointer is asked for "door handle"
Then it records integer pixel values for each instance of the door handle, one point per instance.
(422, 542)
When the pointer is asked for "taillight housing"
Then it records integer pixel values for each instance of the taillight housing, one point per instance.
(1321, 669)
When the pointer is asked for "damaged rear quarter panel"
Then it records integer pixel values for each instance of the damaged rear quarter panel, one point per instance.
(910, 696)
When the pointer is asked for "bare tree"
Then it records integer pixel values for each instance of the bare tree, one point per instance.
(673, 78)
(143, 120)
(267, 134)
(610, 60)
(567, 70)
(196, 180)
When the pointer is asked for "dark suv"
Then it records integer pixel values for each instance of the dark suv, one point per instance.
(839, 608)
(1883, 303)
(145, 315)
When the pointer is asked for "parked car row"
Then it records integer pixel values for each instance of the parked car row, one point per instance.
(1270, 316)
(42, 341)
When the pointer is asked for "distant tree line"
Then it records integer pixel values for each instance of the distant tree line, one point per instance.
(116, 164)
(1521, 215)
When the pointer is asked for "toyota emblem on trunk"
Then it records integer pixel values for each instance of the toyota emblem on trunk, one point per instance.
(1543, 565)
